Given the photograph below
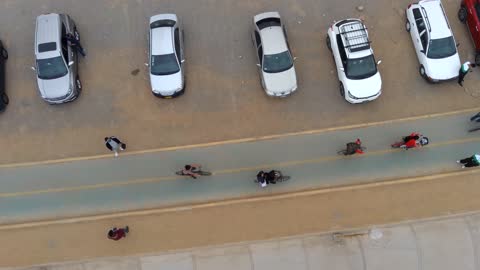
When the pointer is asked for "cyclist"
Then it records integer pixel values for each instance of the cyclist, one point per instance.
(354, 148)
(191, 169)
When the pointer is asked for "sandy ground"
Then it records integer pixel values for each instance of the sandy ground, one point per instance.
(233, 221)
(224, 99)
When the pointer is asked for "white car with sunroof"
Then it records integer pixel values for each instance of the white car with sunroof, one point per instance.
(166, 65)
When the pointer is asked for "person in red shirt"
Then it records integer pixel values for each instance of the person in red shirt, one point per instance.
(116, 234)
(411, 140)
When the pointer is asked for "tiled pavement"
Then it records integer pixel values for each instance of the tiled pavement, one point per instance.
(440, 244)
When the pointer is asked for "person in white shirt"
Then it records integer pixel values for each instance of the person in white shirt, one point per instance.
(464, 69)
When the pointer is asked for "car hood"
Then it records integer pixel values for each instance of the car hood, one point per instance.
(285, 81)
(443, 69)
(54, 88)
(166, 84)
(364, 88)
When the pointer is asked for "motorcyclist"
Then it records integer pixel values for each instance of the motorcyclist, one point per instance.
(411, 140)
(354, 148)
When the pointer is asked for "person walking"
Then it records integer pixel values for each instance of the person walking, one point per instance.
(464, 69)
(472, 161)
(114, 144)
(116, 234)
(74, 42)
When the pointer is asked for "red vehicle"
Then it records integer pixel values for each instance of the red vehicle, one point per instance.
(469, 13)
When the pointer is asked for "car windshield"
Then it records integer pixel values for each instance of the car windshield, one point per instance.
(361, 68)
(165, 64)
(441, 48)
(51, 68)
(279, 62)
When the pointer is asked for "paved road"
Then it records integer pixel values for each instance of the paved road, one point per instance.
(149, 180)
(442, 244)
(224, 99)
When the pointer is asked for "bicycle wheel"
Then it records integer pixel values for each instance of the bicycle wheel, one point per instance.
(474, 129)
(204, 173)
(283, 178)
(179, 173)
(342, 152)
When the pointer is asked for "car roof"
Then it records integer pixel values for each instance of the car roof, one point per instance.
(162, 42)
(436, 18)
(273, 40)
(48, 32)
(354, 37)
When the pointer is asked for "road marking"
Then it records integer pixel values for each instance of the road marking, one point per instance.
(236, 201)
(237, 141)
(225, 171)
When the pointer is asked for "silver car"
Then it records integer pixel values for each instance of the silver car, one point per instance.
(166, 56)
(275, 60)
(56, 62)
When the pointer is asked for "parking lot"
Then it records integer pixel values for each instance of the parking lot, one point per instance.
(223, 98)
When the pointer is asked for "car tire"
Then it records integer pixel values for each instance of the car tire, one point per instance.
(462, 14)
(477, 59)
(4, 54)
(5, 98)
(342, 90)
(422, 72)
(407, 26)
(78, 83)
(329, 43)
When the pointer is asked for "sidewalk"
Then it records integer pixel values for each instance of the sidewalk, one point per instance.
(443, 244)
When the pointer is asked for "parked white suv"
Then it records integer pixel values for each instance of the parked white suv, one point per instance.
(56, 62)
(433, 40)
(275, 60)
(166, 56)
(357, 71)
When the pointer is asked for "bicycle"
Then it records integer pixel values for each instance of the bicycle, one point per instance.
(344, 151)
(474, 129)
(199, 172)
(279, 177)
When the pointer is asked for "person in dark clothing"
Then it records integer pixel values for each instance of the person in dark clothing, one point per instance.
(75, 43)
(475, 118)
(116, 234)
(472, 161)
(354, 148)
(271, 177)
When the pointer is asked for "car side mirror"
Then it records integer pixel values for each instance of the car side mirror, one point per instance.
(458, 44)
(70, 63)
(258, 65)
(146, 64)
(294, 58)
(422, 51)
(33, 68)
(183, 61)
(342, 69)
(379, 61)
